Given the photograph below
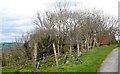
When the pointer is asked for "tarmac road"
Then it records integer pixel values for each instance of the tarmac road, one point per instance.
(110, 64)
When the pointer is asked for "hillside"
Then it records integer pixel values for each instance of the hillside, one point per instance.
(7, 45)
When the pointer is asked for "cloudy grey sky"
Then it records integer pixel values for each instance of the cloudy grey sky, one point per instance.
(16, 16)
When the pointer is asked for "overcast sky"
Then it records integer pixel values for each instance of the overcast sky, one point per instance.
(16, 16)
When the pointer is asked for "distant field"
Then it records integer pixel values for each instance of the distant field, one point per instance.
(91, 62)
(7, 45)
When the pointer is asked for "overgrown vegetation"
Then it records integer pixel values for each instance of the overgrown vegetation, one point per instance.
(90, 62)
(59, 36)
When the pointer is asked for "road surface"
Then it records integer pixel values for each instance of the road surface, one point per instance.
(110, 64)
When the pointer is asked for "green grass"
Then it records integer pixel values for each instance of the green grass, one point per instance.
(91, 62)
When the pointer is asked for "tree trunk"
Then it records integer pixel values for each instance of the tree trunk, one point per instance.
(58, 47)
(91, 40)
(94, 43)
(35, 58)
(70, 48)
(65, 57)
(78, 48)
(86, 43)
(56, 57)
(38, 63)
(61, 46)
(43, 57)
